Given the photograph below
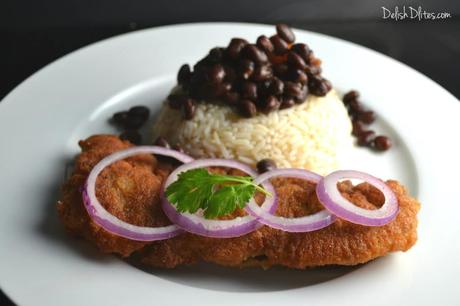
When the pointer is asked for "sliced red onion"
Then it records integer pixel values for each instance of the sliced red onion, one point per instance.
(309, 223)
(330, 197)
(197, 224)
(111, 223)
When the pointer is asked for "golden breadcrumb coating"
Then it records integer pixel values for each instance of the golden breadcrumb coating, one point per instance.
(129, 189)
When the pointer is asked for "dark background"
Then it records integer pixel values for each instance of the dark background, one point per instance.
(34, 33)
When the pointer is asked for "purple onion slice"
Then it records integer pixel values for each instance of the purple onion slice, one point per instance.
(330, 197)
(111, 223)
(308, 223)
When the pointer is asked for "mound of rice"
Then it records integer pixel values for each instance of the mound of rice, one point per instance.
(311, 135)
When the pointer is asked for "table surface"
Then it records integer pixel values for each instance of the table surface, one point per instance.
(431, 47)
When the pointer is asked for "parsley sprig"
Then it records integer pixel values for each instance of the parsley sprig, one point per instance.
(216, 194)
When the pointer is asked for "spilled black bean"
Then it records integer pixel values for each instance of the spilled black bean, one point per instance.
(266, 165)
(132, 136)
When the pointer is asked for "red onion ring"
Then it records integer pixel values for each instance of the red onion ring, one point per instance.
(330, 197)
(111, 223)
(309, 223)
(197, 224)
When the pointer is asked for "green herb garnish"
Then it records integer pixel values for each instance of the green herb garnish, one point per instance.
(216, 194)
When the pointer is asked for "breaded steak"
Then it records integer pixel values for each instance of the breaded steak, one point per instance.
(129, 189)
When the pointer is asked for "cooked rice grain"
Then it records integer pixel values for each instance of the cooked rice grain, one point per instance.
(311, 135)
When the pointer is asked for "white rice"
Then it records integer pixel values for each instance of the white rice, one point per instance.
(311, 135)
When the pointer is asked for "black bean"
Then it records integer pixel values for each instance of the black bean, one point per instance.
(280, 45)
(271, 103)
(133, 122)
(297, 92)
(204, 62)
(367, 117)
(216, 54)
(360, 117)
(358, 127)
(287, 102)
(208, 91)
(176, 101)
(189, 109)
(280, 70)
(265, 165)
(196, 92)
(276, 86)
(232, 97)
(248, 108)
(249, 90)
(199, 72)
(211, 91)
(234, 48)
(263, 89)
(365, 138)
(253, 53)
(219, 89)
(313, 70)
(216, 73)
(292, 89)
(354, 107)
(303, 94)
(184, 75)
(296, 60)
(319, 86)
(298, 75)
(382, 143)
(265, 44)
(352, 95)
(230, 74)
(162, 142)
(198, 78)
(245, 68)
(196, 85)
(262, 73)
(132, 136)
(227, 86)
(213, 57)
(285, 32)
(303, 50)
(119, 118)
(140, 111)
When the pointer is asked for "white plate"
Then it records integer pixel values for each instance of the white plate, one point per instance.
(43, 118)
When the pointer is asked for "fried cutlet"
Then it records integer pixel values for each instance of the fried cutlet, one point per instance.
(129, 189)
